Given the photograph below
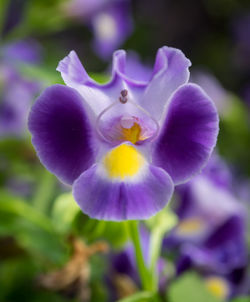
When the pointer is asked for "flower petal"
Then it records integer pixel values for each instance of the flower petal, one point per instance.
(170, 71)
(122, 192)
(188, 135)
(98, 96)
(151, 93)
(72, 71)
(61, 133)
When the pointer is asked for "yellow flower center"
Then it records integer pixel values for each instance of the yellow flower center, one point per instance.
(132, 134)
(218, 287)
(123, 161)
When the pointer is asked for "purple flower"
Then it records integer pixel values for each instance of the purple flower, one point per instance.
(24, 51)
(241, 32)
(211, 233)
(124, 145)
(214, 89)
(17, 92)
(109, 20)
(246, 95)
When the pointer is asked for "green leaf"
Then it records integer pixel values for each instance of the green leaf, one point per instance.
(115, 233)
(189, 288)
(41, 16)
(139, 297)
(16, 206)
(17, 279)
(64, 212)
(234, 127)
(42, 74)
(241, 299)
(100, 77)
(32, 230)
(165, 220)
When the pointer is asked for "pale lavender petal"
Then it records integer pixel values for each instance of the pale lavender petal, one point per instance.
(128, 68)
(72, 70)
(170, 71)
(151, 92)
(98, 96)
(188, 134)
(103, 199)
(136, 69)
(61, 132)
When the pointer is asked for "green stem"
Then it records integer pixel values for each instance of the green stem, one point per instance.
(44, 191)
(155, 250)
(142, 269)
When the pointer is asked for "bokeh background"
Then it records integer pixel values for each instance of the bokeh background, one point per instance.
(49, 250)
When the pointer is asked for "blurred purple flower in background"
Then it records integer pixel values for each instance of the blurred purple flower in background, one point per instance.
(22, 51)
(109, 20)
(103, 138)
(241, 33)
(246, 95)
(214, 89)
(17, 92)
(211, 234)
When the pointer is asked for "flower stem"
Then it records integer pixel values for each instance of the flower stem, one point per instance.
(44, 191)
(155, 249)
(142, 269)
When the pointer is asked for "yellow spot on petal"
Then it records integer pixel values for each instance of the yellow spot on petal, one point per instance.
(190, 226)
(123, 161)
(218, 287)
(132, 134)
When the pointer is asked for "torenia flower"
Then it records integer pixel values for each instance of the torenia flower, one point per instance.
(16, 91)
(124, 145)
(212, 222)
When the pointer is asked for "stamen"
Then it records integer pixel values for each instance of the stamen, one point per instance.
(136, 127)
(123, 98)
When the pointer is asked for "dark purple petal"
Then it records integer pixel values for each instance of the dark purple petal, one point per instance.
(223, 251)
(101, 198)
(188, 134)
(61, 133)
(232, 229)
